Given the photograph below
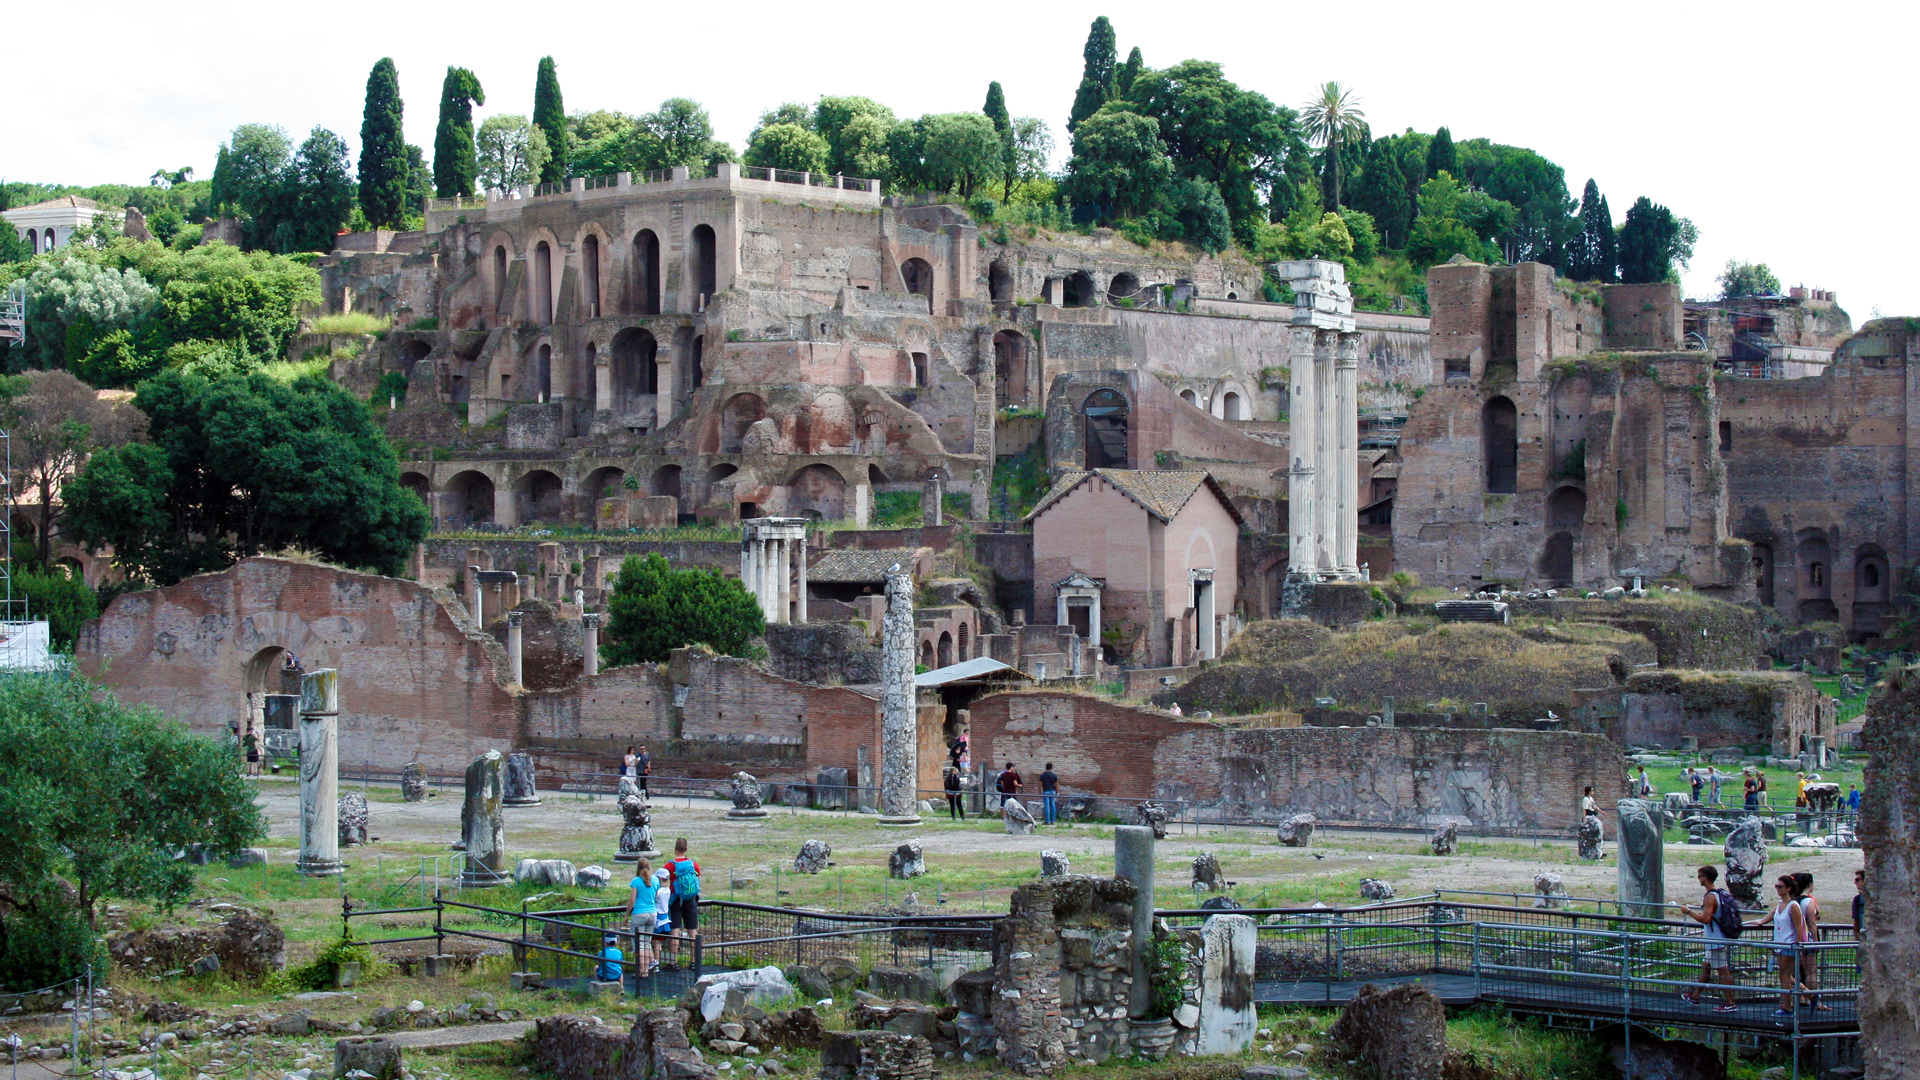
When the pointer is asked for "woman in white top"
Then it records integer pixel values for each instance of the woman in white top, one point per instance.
(1789, 920)
(1587, 807)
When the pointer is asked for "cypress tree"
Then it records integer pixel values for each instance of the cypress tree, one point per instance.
(1096, 83)
(454, 167)
(1129, 71)
(1440, 155)
(550, 116)
(383, 149)
(996, 110)
(1381, 191)
(221, 194)
(1594, 252)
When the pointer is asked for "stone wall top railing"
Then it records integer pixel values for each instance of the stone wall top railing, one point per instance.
(725, 176)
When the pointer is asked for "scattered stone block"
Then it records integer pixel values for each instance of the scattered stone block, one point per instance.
(1549, 891)
(1375, 890)
(1297, 830)
(1054, 864)
(1401, 1032)
(1746, 855)
(1446, 839)
(814, 857)
(245, 857)
(353, 819)
(875, 1055)
(1589, 838)
(1207, 874)
(1019, 820)
(413, 782)
(1153, 816)
(374, 1056)
(906, 861)
(592, 877)
(904, 984)
(518, 778)
(557, 872)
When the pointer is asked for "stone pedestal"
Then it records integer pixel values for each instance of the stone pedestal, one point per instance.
(1226, 1023)
(1642, 858)
(483, 825)
(413, 782)
(636, 834)
(1133, 861)
(520, 785)
(320, 774)
(899, 720)
(746, 797)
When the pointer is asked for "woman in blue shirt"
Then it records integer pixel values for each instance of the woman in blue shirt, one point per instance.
(642, 919)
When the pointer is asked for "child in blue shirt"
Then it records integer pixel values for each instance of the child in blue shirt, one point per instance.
(610, 957)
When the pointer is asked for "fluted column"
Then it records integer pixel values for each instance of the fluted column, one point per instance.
(1346, 430)
(515, 648)
(1302, 434)
(800, 573)
(749, 574)
(320, 774)
(1327, 465)
(590, 644)
(783, 581)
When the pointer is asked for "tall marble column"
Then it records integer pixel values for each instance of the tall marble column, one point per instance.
(1327, 450)
(764, 559)
(800, 575)
(1303, 420)
(782, 581)
(479, 613)
(1346, 428)
(590, 643)
(320, 774)
(899, 716)
(749, 570)
(515, 648)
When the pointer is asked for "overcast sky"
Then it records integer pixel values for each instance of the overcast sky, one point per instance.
(1785, 131)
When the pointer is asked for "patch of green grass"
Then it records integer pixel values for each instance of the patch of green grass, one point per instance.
(353, 322)
(288, 370)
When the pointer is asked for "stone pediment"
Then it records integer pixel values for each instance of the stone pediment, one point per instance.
(1079, 580)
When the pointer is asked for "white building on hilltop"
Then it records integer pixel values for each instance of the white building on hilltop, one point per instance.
(49, 225)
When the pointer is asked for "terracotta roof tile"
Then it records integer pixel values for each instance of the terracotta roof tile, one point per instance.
(1161, 492)
(856, 567)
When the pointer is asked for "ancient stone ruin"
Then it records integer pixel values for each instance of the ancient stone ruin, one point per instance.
(1375, 890)
(1296, 830)
(746, 797)
(1400, 1031)
(1446, 839)
(520, 787)
(1746, 854)
(1018, 818)
(1642, 858)
(906, 861)
(1055, 864)
(813, 857)
(353, 819)
(1206, 873)
(1153, 816)
(1063, 969)
(1549, 891)
(483, 825)
(899, 718)
(413, 782)
(1589, 837)
(636, 832)
(320, 773)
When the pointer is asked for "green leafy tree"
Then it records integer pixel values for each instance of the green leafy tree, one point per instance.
(314, 198)
(1440, 155)
(1594, 254)
(13, 249)
(243, 464)
(83, 827)
(72, 301)
(656, 608)
(1366, 238)
(961, 152)
(56, 421)
(1544, 224)
(384, 167)
(605, 141)
(256, 169)
(419, 183)
(1032, 150)
(1747, 279)
(1334, 119)
(60, 598)
(221, 198)
(1096, 79)
(685, 133)
(796, 113)
(1652, 241)
(856, 130)
(1119, 165)
(510, 152)
(454, 168)
(1381, 192)
(550, 116)
(787, 146)
(1455, 220)
(1201, 215)
(1123, 78)
(1234, 138)
(996, 111)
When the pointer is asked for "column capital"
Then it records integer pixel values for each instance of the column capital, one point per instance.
(1349, 348)
(590, 620)
(513, 618)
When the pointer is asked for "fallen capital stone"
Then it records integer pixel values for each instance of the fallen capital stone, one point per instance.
(1019, 820)
(1207, 874)
(1549, 891)
(1297, 830)
(592, 877)
(906, 861)
(1054, 864)
(746, 791)
(1153, 816)
(353, 819)
(518, 781)
(1375, 889)
(545, 872)
(1446, 839)
(758, 986)
(813, 857)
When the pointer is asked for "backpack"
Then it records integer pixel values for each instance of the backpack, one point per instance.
(1726, 915)
(686, 879)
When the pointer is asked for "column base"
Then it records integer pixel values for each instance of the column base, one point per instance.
(754, 812)
(319, 868)
(892, 822)
(520, 802)
(636, 856)
(480, 877)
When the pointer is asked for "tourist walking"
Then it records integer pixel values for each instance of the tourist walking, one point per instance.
(643, 768)
(1760, 787)
(1713, 785)
(1810, 958)
(1695, 782)
(1008, 784)
(1643, 787)
(1859, 904)
(252, 745)
(1750, 789)
(684, 904)
(1049, 791)
(1800, 790)
(1716, 914)
(1853, 798)
(1587, 806)
(955, 812)
(957, 749)
(1789, 924)
(641, 917)
(627, 763)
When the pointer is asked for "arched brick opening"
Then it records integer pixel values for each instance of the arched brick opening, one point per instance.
(472, 497)
(537, 496)
(1816, 578)
(635, 367)
(1190, 397)
(543, 373)
(1556, 562)
(1230, 407)
(1500, 446)
(736, 416)
(721, 472)
(665, 481)
(646, 273)
(499, 281)
(817, 491)
(1123, 286)
(418, 484)
(1080, 290)
(1105, 411)
(1870, 580)
(917, 275)
(1567, 509)
(1010, 369)
(1763, 563)
(606, 482)
(543, 284)
(926, 655)
(590, 274)
(705, 269)
(945, 650)
(999, 282)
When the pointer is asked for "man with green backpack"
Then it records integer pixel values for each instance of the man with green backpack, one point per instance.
(683, 905)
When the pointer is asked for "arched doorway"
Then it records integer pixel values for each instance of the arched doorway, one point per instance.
(1106, 429)
(917, 276)
(1123, 287)
(636, 369)
(542, 284)
(817, 491)
(1080, 291)
(646, 273)
(1556, 562)
(1763, 573)
(472, 497)
(665, 481)
(500, 281)
(1816, 578)
(945, 654)
(1567, 509)
(926, 655)
(537, 497)
(543, 373)
(999, 282)
(1190, 397)
(736, 416)
(417, 484)
(1230, 408)
(1500, 446)
(705, 269)
(608, 482)
(721, 472)
(1010, 369)
(590, 273)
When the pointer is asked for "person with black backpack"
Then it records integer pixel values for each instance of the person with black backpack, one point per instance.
(1719, 917)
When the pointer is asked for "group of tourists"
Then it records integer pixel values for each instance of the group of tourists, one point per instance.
(1795, 923)
(663, 918)
(1005, 785)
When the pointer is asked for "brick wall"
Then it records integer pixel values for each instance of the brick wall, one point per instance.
(1497, 781)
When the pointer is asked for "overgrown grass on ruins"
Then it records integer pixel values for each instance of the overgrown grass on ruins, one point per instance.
(352, 322)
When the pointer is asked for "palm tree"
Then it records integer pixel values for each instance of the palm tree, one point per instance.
(1333, 119)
